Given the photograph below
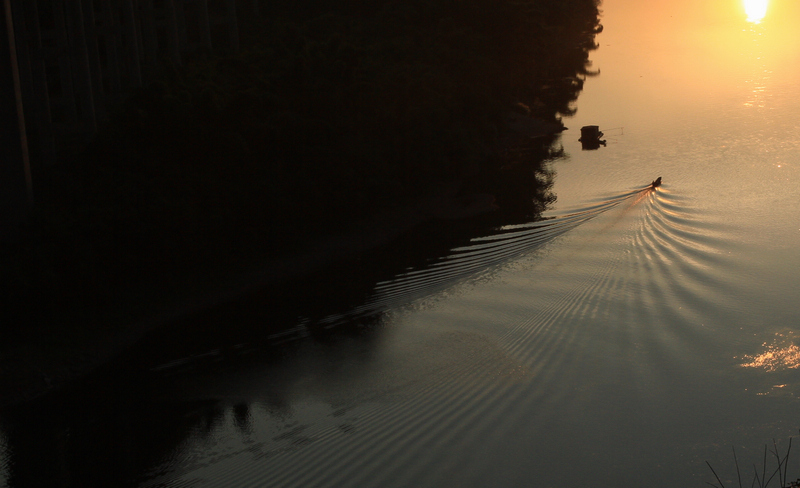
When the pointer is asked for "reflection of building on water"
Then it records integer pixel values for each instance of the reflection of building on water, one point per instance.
(590, 137)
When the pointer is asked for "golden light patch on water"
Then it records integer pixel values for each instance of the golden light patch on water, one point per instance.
(759, 93)
(777, 357)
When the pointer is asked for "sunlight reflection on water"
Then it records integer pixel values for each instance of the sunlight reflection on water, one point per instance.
(782, 354)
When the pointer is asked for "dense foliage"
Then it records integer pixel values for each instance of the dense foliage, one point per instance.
(332, 110)
(351, 106)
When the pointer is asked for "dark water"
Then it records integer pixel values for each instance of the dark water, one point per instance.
(624, 340)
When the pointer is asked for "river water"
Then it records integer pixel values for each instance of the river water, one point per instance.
(626, 340)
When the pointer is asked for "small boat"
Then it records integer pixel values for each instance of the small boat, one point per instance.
(590, 137)
(590, 133)
(656, 183)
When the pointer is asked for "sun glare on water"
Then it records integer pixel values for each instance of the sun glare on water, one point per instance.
(755, 10)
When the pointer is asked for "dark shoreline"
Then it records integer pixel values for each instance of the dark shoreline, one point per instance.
(24, 378)
(26, 375)
(215, 182)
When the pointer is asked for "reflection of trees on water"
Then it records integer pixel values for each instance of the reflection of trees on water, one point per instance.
(241, 415)
(118, 429)
(98, 442)
(114, 430)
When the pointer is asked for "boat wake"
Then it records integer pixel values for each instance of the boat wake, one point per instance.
(480, 256)
(612, 326)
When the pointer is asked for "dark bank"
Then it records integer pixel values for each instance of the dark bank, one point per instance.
(362, 139)
(326, 119)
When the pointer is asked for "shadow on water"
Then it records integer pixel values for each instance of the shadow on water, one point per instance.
(121, 424)
(118, 426)
(113, 428)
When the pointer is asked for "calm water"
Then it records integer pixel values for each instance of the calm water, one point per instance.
(624, 342)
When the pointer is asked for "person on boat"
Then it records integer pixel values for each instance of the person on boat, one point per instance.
(656, 183)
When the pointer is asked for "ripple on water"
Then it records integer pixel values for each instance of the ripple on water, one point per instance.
(479, 256)
(613, 326)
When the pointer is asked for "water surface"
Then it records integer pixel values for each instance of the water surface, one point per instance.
(626, 340)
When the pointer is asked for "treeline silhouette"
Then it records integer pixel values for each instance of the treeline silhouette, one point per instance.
(331, 113)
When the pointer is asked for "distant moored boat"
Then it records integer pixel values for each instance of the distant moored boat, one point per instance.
(590, 137)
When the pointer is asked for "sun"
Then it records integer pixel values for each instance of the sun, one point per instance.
(755, 10)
